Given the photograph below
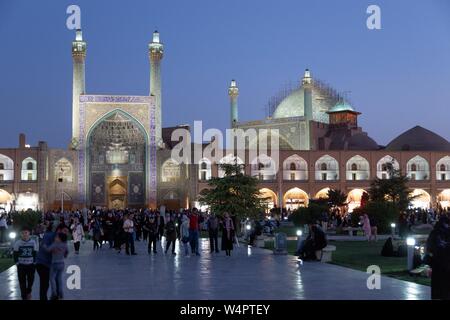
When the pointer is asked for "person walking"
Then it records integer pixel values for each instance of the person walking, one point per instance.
(227, 234)
(96, 232)
(44, 261)
(366, 227)
(184, 234)
(108, 229)
(171, 234)
(3, 228)
(438, 256)
(77, 234)
(25, 250)
(194, 228)
(128, 227)
(213, 232)
(161, 226)
(144, 228)
(59, 252)
(151, 229)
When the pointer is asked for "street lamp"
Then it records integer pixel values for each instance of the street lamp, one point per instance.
(12, 235)
(411, 243)
(393, 229)
(299, 239)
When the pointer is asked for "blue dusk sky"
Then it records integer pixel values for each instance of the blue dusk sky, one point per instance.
(398, 76)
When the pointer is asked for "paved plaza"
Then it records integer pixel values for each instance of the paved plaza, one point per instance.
(250, 273)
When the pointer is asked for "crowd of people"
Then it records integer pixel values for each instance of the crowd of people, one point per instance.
(116, 229)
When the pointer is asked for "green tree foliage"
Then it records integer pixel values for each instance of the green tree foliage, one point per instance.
(336, 198)
(28, 219)
(235, 193)
(383, 212)
(310, 214)
(394, 189)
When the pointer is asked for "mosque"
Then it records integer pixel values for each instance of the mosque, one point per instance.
(120, 155)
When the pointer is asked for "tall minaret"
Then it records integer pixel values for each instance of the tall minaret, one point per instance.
(155, 52)
(307, 84)
(233, 92)
(79, 58)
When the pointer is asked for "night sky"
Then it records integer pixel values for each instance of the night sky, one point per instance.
(399, 76)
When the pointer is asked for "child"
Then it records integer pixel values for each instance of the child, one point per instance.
(25, 251)
(59, 252)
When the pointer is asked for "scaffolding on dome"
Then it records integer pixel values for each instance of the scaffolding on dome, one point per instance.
(324, 88)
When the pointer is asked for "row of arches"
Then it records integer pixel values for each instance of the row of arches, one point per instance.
(63, 169)
(325, 168)
(28, 169)
(296, 197)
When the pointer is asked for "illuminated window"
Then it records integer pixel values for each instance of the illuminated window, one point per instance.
(30, 176)
(292, 176)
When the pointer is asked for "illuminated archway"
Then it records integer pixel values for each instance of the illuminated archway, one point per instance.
(28, 200)
(444, 199)
(270, 197)
(354, 199)
(422, 199)
(358, 168)
(443, 169)
(383, 166)
(417, 168)
(295, 168)
(5, 200)
(327, 168)
(6, 168)
(263, 167)
(322, 194)
(295, 198)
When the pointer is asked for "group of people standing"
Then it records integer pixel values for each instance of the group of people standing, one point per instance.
(45, 253)
(46, 257)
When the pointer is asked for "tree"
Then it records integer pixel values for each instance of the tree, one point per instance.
(394, 189)
(235, 193)
(336, 198)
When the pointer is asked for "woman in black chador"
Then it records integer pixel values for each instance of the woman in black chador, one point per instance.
(438, 254)
(227, 234)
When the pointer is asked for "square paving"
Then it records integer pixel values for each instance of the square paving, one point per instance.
(249, 274)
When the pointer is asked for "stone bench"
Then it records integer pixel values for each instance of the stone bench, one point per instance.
(260, 241)
(350, 230)
(326, 254)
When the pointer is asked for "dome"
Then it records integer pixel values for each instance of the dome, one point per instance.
(361, 141)
(419, 139)
(323, 99)
(341, 106)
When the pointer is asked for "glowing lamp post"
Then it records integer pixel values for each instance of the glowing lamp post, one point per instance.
(299, 238)
(411, 243)
(12, 236)
(393, 229)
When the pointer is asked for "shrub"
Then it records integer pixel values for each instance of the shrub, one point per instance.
(383, 212)
(28, 219)
(310, 214)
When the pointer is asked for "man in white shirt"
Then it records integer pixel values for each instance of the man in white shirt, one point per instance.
(128, 227)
